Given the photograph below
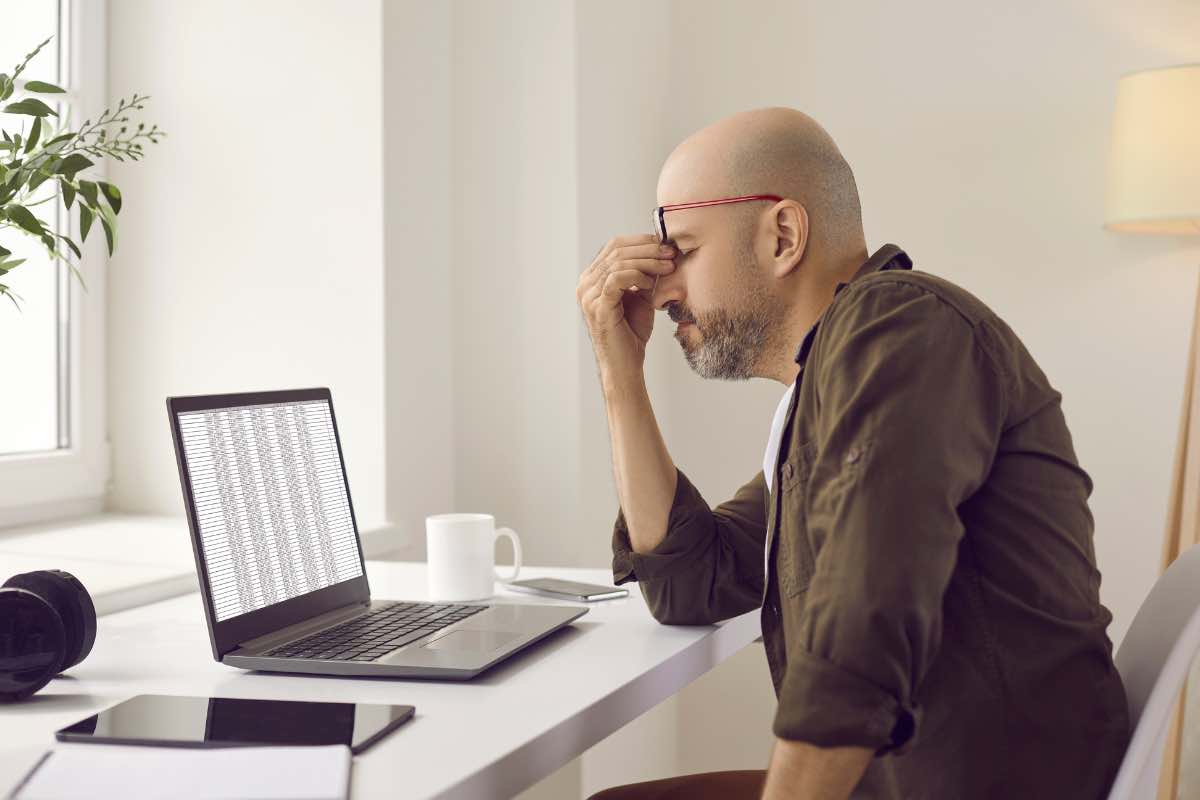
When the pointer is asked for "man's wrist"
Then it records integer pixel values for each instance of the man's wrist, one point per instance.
(622, 384)
(803, 770)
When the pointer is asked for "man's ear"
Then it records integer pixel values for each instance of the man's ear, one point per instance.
(790, 232)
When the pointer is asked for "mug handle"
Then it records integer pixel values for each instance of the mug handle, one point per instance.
(516, 545)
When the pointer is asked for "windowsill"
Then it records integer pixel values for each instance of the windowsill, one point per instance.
(125, 560)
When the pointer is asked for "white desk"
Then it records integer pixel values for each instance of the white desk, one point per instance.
(487, 738)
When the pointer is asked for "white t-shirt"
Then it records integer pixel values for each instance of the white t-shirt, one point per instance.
(772, 453)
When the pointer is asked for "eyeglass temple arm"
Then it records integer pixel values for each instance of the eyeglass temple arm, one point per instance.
(722, 201)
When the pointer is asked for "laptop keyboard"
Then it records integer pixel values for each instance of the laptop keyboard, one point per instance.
(377, 632)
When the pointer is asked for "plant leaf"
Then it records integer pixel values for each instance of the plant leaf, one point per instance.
(36, 180)
(71, 244)
(64, 137)
(30, 107)
(72, 164)
(78, 275)
(85, 221)
(4, 252)
(12, 263)
(35, 133)
(54, 147)
(68, 192)
(87, 190)
(112, 194)
(6, 87)
(41, 87)
(25, 218)
(109, 221)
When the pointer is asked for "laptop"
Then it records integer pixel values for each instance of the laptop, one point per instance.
(280, 559)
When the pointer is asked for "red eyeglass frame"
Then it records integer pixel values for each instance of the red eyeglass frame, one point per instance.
(658, 221)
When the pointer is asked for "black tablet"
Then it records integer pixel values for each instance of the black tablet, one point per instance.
(230, 722)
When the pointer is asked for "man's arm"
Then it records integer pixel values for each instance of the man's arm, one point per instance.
(709, 566)
(802, 771)
(644, 472)
(694, 564)
(614, 293)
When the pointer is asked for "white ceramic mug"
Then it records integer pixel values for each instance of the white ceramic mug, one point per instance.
(461, 556)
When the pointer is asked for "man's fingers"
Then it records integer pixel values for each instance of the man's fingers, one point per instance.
(651, 266)
(626, 241)
(597, 273)
(624, 264)
(623, 241)
(588, 296)
(591, 276)
(620, 281)
(649, 250)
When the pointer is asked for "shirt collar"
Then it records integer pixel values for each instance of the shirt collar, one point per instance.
(889, 256)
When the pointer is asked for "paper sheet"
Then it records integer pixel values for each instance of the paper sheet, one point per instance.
(246, 773)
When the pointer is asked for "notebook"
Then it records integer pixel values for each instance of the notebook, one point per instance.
(158, 773)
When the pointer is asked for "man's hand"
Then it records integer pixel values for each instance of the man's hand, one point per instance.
(615, 294)
(802, 771)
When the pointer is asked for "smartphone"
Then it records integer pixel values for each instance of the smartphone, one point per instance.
(567, 590)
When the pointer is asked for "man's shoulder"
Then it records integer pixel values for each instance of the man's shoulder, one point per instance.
(899, 286)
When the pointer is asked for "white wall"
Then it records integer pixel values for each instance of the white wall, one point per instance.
(623, 109)
(516, 394)
(418, 235)
(252, 248)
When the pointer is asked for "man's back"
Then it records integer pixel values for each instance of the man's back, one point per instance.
(1024, 643)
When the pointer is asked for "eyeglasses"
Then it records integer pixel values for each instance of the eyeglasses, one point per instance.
(660, 224)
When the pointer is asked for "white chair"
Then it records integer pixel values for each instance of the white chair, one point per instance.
(1153, 660)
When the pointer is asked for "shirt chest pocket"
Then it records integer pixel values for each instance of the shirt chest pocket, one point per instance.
(795, 560)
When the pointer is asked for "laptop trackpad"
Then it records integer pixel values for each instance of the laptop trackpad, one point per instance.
(472, 641)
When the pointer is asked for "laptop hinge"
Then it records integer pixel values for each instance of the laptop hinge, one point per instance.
(300, 629)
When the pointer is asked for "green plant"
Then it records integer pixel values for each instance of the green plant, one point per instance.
(42, 152)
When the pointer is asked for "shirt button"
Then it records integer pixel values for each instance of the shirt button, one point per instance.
(787, 471)
(853, 455)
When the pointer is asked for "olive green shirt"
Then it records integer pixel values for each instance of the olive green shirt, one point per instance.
(931, 589)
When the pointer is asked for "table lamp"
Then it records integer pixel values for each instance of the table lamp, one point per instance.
(1154, 188)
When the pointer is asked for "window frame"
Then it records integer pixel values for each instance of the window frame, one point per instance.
(73, 481)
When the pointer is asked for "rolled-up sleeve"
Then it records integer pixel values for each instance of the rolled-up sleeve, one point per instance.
(708, 567)
(911, 409)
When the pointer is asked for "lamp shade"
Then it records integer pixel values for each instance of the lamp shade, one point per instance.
(1154, 167)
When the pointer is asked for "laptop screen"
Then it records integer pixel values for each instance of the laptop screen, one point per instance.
(270, 502)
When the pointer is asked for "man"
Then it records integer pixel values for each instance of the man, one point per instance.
(930, 604)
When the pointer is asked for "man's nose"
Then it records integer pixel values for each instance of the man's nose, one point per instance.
(668, 289)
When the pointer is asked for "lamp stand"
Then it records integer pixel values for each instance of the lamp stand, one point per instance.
(1183, 527)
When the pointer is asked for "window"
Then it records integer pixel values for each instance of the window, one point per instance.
(52, 459)
(29, 409)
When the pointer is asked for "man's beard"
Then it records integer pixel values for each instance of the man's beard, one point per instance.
(732, 339)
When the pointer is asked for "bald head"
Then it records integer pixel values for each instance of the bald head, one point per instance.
(770, 151)
(752, 277)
